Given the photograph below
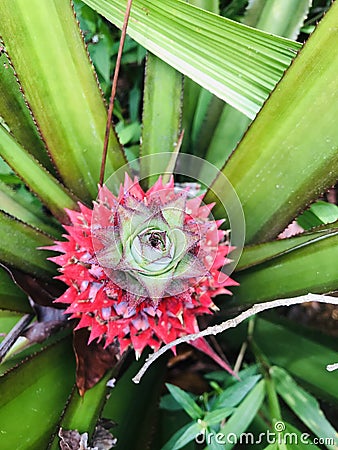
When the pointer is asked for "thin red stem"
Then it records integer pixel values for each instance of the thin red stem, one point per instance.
(113, 91)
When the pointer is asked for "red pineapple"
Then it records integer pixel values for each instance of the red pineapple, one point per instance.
(142, 266)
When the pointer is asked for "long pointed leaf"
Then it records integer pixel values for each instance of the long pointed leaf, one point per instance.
(234, 62)
(228, 132)
(18, 247)
(308, 267)
(161, 112)
(282, 18)
(23, 351)
(235, 393)
(209, 5)
(208, 110)
(304, 356)
(289, 155)
(180, 440)
(135, 418)
(257, 254)
(48, 189)
(12, 203)
(195, 101)
(304, 405)
(16, 115)
(82, 413)
(33, 396)
(48, 54)
(245, 412)
(186, 401)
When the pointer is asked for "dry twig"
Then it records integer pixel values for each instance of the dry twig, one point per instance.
(232, 323)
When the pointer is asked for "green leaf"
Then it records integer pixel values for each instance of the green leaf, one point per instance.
(161, 113)
(11, 297)
(100, 54)
(128, 133)
(16, 115)
(46, 49)
(189, 434)
(246, 411)
(23, 350)
(195, 43)
(304, 405)
(275, 170)
(196, 100)
(18, 247)
(51, 192)
(18, 204)
(87, 18)
(169, 403)
(319, 213)
(228, 132)
(235, 393)
(134, 407)
(283, 19)
(216, 416)
(183, 436)
(204, 118)
(206, 115)
(209, 5)
(235, 9)
(257, 254)
(226, 379)
(82, 413)
(191, 94)
(308, 265)
(307, 358)
(33, 396)
(186, 401)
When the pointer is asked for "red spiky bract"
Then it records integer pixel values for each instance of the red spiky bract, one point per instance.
(109, 312)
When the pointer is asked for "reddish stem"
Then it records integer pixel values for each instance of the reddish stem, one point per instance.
(113, 91)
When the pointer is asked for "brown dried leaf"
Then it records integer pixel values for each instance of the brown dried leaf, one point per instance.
(73, 440)
(69, 439)
(103, 439)
(92, 361)
(40, 291)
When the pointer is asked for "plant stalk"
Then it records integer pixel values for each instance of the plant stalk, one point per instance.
(113, 91)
